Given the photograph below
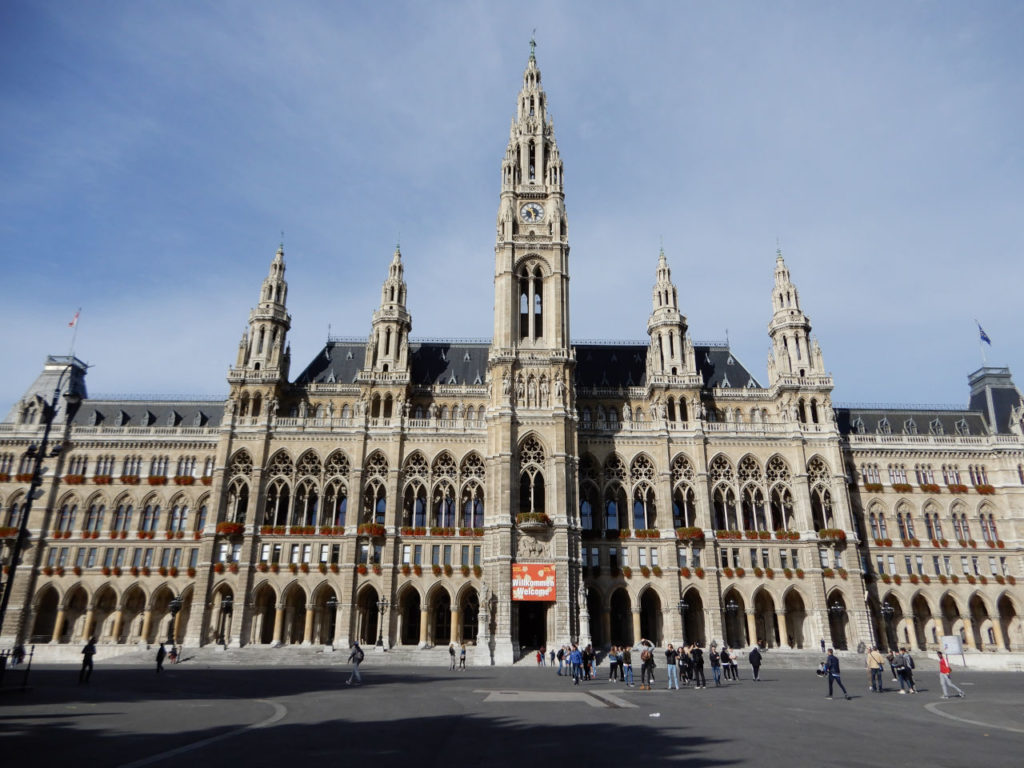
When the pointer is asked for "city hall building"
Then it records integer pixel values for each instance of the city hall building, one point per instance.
(523, 492)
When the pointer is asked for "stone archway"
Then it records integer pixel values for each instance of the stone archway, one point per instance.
(440, 626)
(621, 619)
(325, 615)
(184, 612)
(160, 615)
(46, 615)
(76, 604)
(469, 616)
(838, 620)
(133, 610)
(1010, 623)
(925, 631)
(294, 616)
(264, 607)
(366, 618)
(984, 635)
(410, 608)
(735, 625)
(598, 625)
(693, 618)
(222, 614)
(104, 615)
(650, 617)
(952, 621)
(796, 620)
(767, 629)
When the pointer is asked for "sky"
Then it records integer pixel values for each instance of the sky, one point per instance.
(152, 155)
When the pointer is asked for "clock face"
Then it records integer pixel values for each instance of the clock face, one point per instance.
(532, 212)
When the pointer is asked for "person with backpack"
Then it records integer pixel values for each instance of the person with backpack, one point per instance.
(755, 662)
(906, 671)
(944, 681)
(356, 657)
(697, 665)
(626, 657)
(831, 671)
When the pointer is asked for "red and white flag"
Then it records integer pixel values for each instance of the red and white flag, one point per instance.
(74, 320)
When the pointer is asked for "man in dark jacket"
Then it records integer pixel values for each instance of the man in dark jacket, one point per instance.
(697, 662)
(755, 662)
(831, 669)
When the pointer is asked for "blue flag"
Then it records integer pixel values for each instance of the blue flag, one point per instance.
(984, 336)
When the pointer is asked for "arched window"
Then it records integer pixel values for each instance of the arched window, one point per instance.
(644, 513)
(238, 504)
(443, 506)
(684, 510)
(335, 503)
(531, 477)
(122, 517)
(472, 506)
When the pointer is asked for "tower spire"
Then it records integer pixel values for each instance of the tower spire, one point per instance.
(794, 352)
(387, 350)
(671, 351)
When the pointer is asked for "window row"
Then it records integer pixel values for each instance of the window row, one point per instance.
(942, 565)
(122, 557)
(961, 528)
(96, 519)
(134, 466)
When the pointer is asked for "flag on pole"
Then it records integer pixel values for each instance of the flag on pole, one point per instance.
(984, 336)
(74, 320)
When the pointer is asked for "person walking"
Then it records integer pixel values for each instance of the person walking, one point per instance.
(671, 664)
(716, 666)
(87, 653)
(831, 669)
(697, 665)
(944, 680)
(551, 656)
(875, 663)
(908, 669)
(755, 662)
(356, 658)
(626, 656)
(576, 661)
(561, 660)
(161, 652)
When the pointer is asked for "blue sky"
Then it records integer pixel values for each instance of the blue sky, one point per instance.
(151, 154)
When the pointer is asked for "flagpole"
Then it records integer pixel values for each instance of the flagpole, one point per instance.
(74, 333)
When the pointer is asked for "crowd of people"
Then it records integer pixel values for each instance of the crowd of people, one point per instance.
(684, 665)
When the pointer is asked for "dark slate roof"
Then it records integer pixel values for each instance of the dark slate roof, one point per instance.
(994, 394)
(432, 362)
(625, 365)
(870, 421)
(149, 413)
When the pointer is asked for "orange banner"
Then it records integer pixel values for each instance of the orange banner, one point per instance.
(533, 582)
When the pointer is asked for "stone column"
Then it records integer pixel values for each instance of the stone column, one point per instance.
(783, 629)
(58, 626)
(636, 626)
(177, 626)
(912, 632)
(278, 625)
(424, 618)
(147, 624)
(307, 631)
(118, 618)
(456, 616)
(969, 631)
(90, 618)
(751, 627)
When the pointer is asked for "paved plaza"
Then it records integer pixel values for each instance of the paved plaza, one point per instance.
(217, 714)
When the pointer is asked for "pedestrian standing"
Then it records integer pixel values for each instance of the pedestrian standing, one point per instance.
(831, 669)
(462, 657)
(823, 645)
(697, 665)
(551, 656)
(161, 652)
(876, 664)
(576, 662)
(356, 658)
(627, 667)
(944, 679)
(755, 662)
(892, 667)
(613, 664)
(726, 658)
(716, 666)
(561, 659)
(451, 656)
(671, 657)
(87, 653)
(646, 668)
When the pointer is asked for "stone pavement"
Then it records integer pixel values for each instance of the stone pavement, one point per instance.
(226, 714)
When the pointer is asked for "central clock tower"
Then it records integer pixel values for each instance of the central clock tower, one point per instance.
(532, 416)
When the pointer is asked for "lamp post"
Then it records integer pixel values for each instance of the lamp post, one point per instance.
(382, 606)
(731, 608)
(683, 605)
(888, 612)
(38, 455)
(174, 607)
(227, 607)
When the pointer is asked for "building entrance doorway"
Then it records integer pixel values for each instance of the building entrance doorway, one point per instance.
(533, 625)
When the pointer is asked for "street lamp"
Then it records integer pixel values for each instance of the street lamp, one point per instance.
(175, 606)
(837, 609)
(683, 605)
(382, 606)
(38, 455)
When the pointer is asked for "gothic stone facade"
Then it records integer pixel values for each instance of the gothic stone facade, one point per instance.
(669, 492)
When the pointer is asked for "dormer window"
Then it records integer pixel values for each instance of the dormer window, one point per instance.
(884, 428)
(935, 427)
(910, 427)
(962, 428)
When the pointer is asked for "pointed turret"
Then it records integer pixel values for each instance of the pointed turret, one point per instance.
(387, 351)
(671, 351)
(264, 344)
(795, 353)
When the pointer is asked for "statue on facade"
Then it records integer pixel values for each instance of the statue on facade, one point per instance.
(545, 391)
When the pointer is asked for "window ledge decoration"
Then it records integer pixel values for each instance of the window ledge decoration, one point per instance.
(627, 571)
(436, 570)
(903, 487)
(684, 572)
(130, 479)
(409, 530)
(873, 487)
(787, 572)
(832, 534)
(406, 569)
(230, 529)
(206, 480)
(735, 535)
(478, 571)
(645, 571)
(157, 480)
(691, 533)
(647, 533)
(69, 479)
(438, 530)
(101, 479)
(728, 573)
(769, 573)
(699, 573)
(957, 488)
(302, 530)
(332, 530)
(5, 477)
(758, 572)
(184, 480)
(533, 520)
(931, 488)
(740, 573)
(787, 535)
(8, 532)
(370, 529)
(984, 489)
(464, 570)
